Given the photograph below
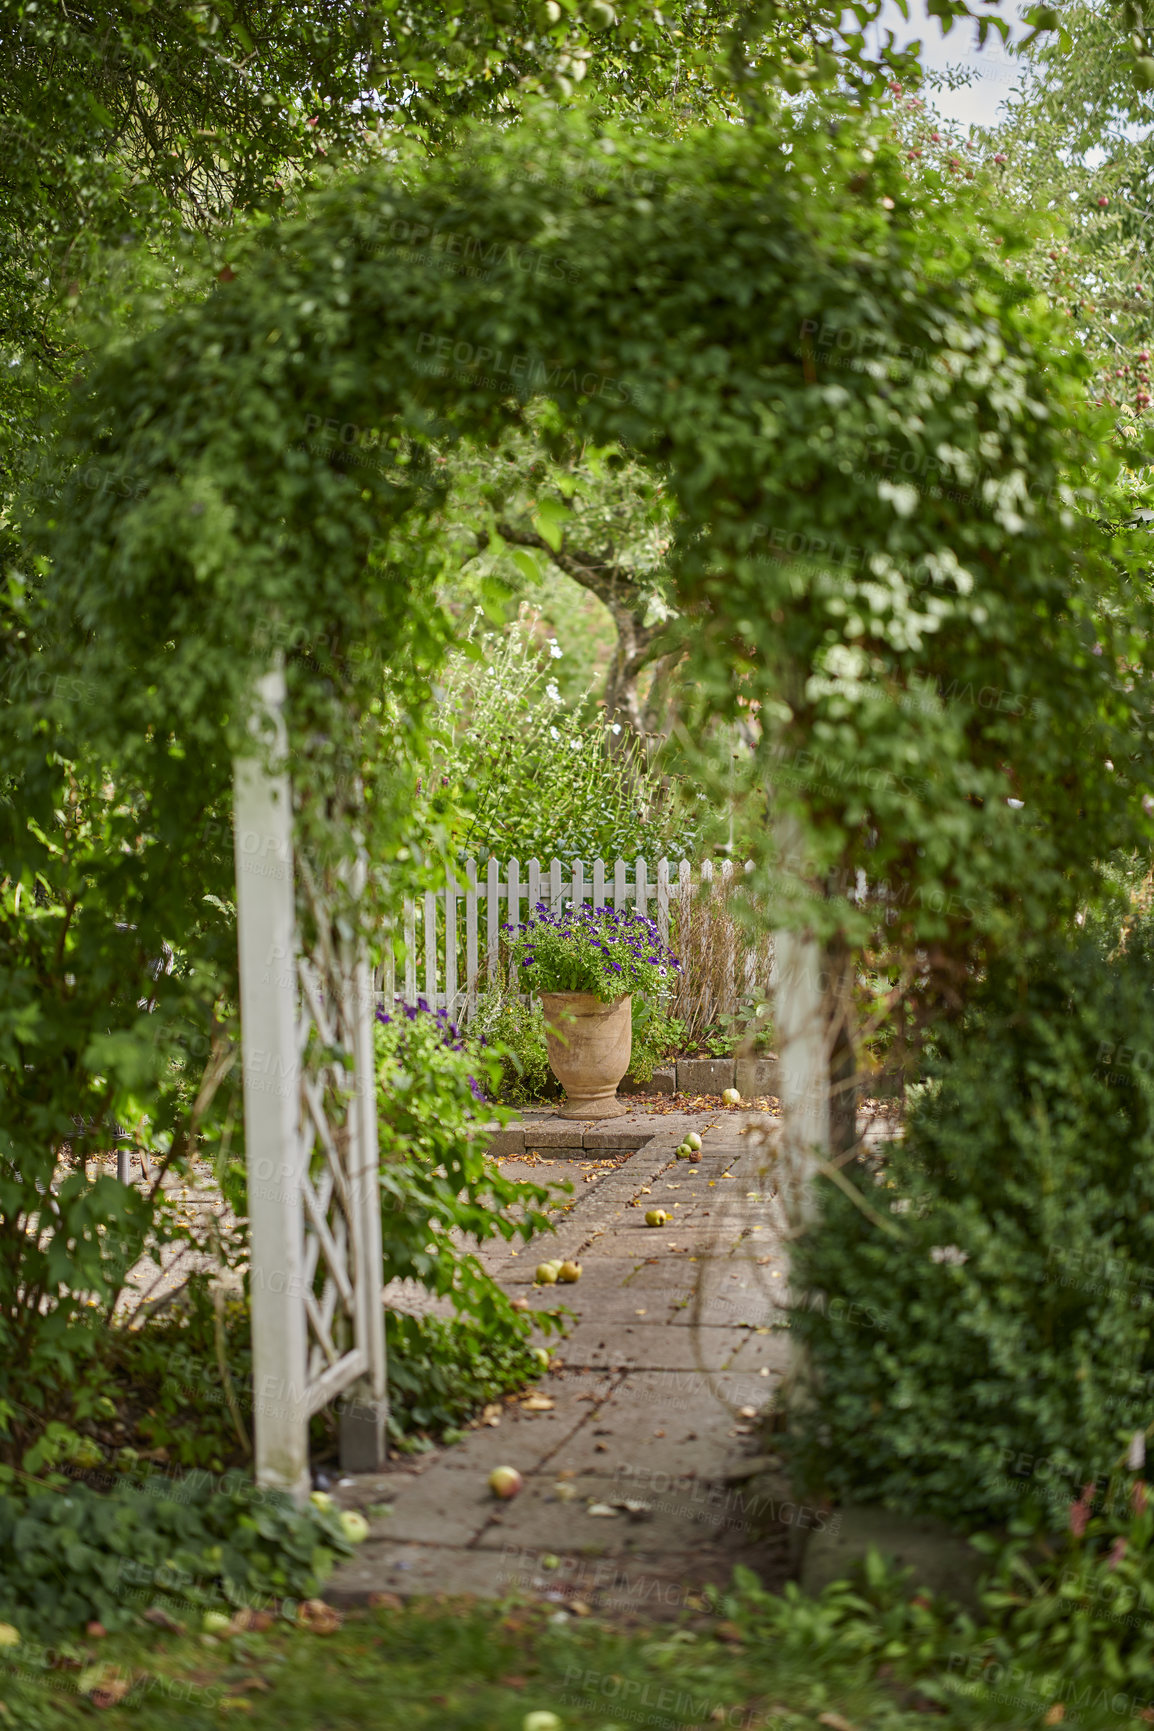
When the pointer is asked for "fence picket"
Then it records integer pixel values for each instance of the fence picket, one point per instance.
(471, 965)
(431, 949)
(663, 899)
(493, 918)
(555, 870)
(513, 871)
(578, 883)
(410, 950)
(451, 946)
(534, 885)
(598, 883)
(619, 870)
(640, 887)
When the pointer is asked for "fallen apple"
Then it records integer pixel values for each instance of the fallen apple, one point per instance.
(541, 1354)
(215, 1623)
(321, 1500)
(505, 1482)
(569, 1272)
(731, 1097)
(9, 1635)
(693, 1141)
(541, 1722)
(354, 1526)
(546, 1274)
(656, 1217)
(685, 1152)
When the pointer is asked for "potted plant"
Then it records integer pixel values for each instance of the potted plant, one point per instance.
(585, 964)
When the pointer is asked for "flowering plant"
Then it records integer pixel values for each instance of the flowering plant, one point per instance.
(606, 951)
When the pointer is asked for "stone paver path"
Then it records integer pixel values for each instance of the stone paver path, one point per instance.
(636, 1445)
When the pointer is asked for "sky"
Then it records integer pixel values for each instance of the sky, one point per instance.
(995, 71)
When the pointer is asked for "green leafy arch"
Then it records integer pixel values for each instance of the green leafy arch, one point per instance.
(874, 442)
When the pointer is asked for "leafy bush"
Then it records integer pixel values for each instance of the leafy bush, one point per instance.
(515, 1033)
(441, 1372)
(978, 1322)
(71, 1555)
(607, 951)
(438, 1187)
(534, 779)
(656, 1037)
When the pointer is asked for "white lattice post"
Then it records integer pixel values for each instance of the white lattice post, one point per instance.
(266, 936)
(364, 1409)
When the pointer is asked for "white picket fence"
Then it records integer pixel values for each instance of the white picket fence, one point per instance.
(449, 942)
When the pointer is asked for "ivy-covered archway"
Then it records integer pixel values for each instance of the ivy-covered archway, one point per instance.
(873, 441)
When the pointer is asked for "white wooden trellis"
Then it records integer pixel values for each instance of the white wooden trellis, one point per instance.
(435, 939)
(310, 1138)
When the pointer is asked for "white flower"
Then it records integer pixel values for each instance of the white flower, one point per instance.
(901, 1206)
(552, 693)
(555, 649)
(616, 728)
(553, 734)
(949, 1253)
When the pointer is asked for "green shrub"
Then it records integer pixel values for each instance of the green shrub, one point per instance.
(441, 1372)
(439, 1192)
(532, 777)
(69, 1555)
(979, 1327)
(515, 1034)
(656, 1037)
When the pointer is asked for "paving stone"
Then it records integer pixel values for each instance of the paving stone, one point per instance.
(539, 1519)
(758, 1351)
(663, 1081)
(704, 1075)
(422, 1511)
(643, 1347)
(526, 1440)
(411, 1570)
(506, 1144)
(552, 1134)
(675, 1422)
(755, 1077)
(614, 1136)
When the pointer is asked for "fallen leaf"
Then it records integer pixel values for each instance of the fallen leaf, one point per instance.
(1058, 1712)
(600, 1509)
(385, 1602)
(318, 1618)
(537, 1403)
(513, 1682)
(249, 1685)
(160, 1619)
(96, 1631)
(731, 1633)
(835, 1721)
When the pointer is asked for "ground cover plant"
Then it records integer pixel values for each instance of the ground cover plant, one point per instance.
(872, 1652)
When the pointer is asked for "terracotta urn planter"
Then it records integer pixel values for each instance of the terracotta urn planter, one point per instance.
(590, 1044)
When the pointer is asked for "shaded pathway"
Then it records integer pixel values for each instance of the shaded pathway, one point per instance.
(636, 1447)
